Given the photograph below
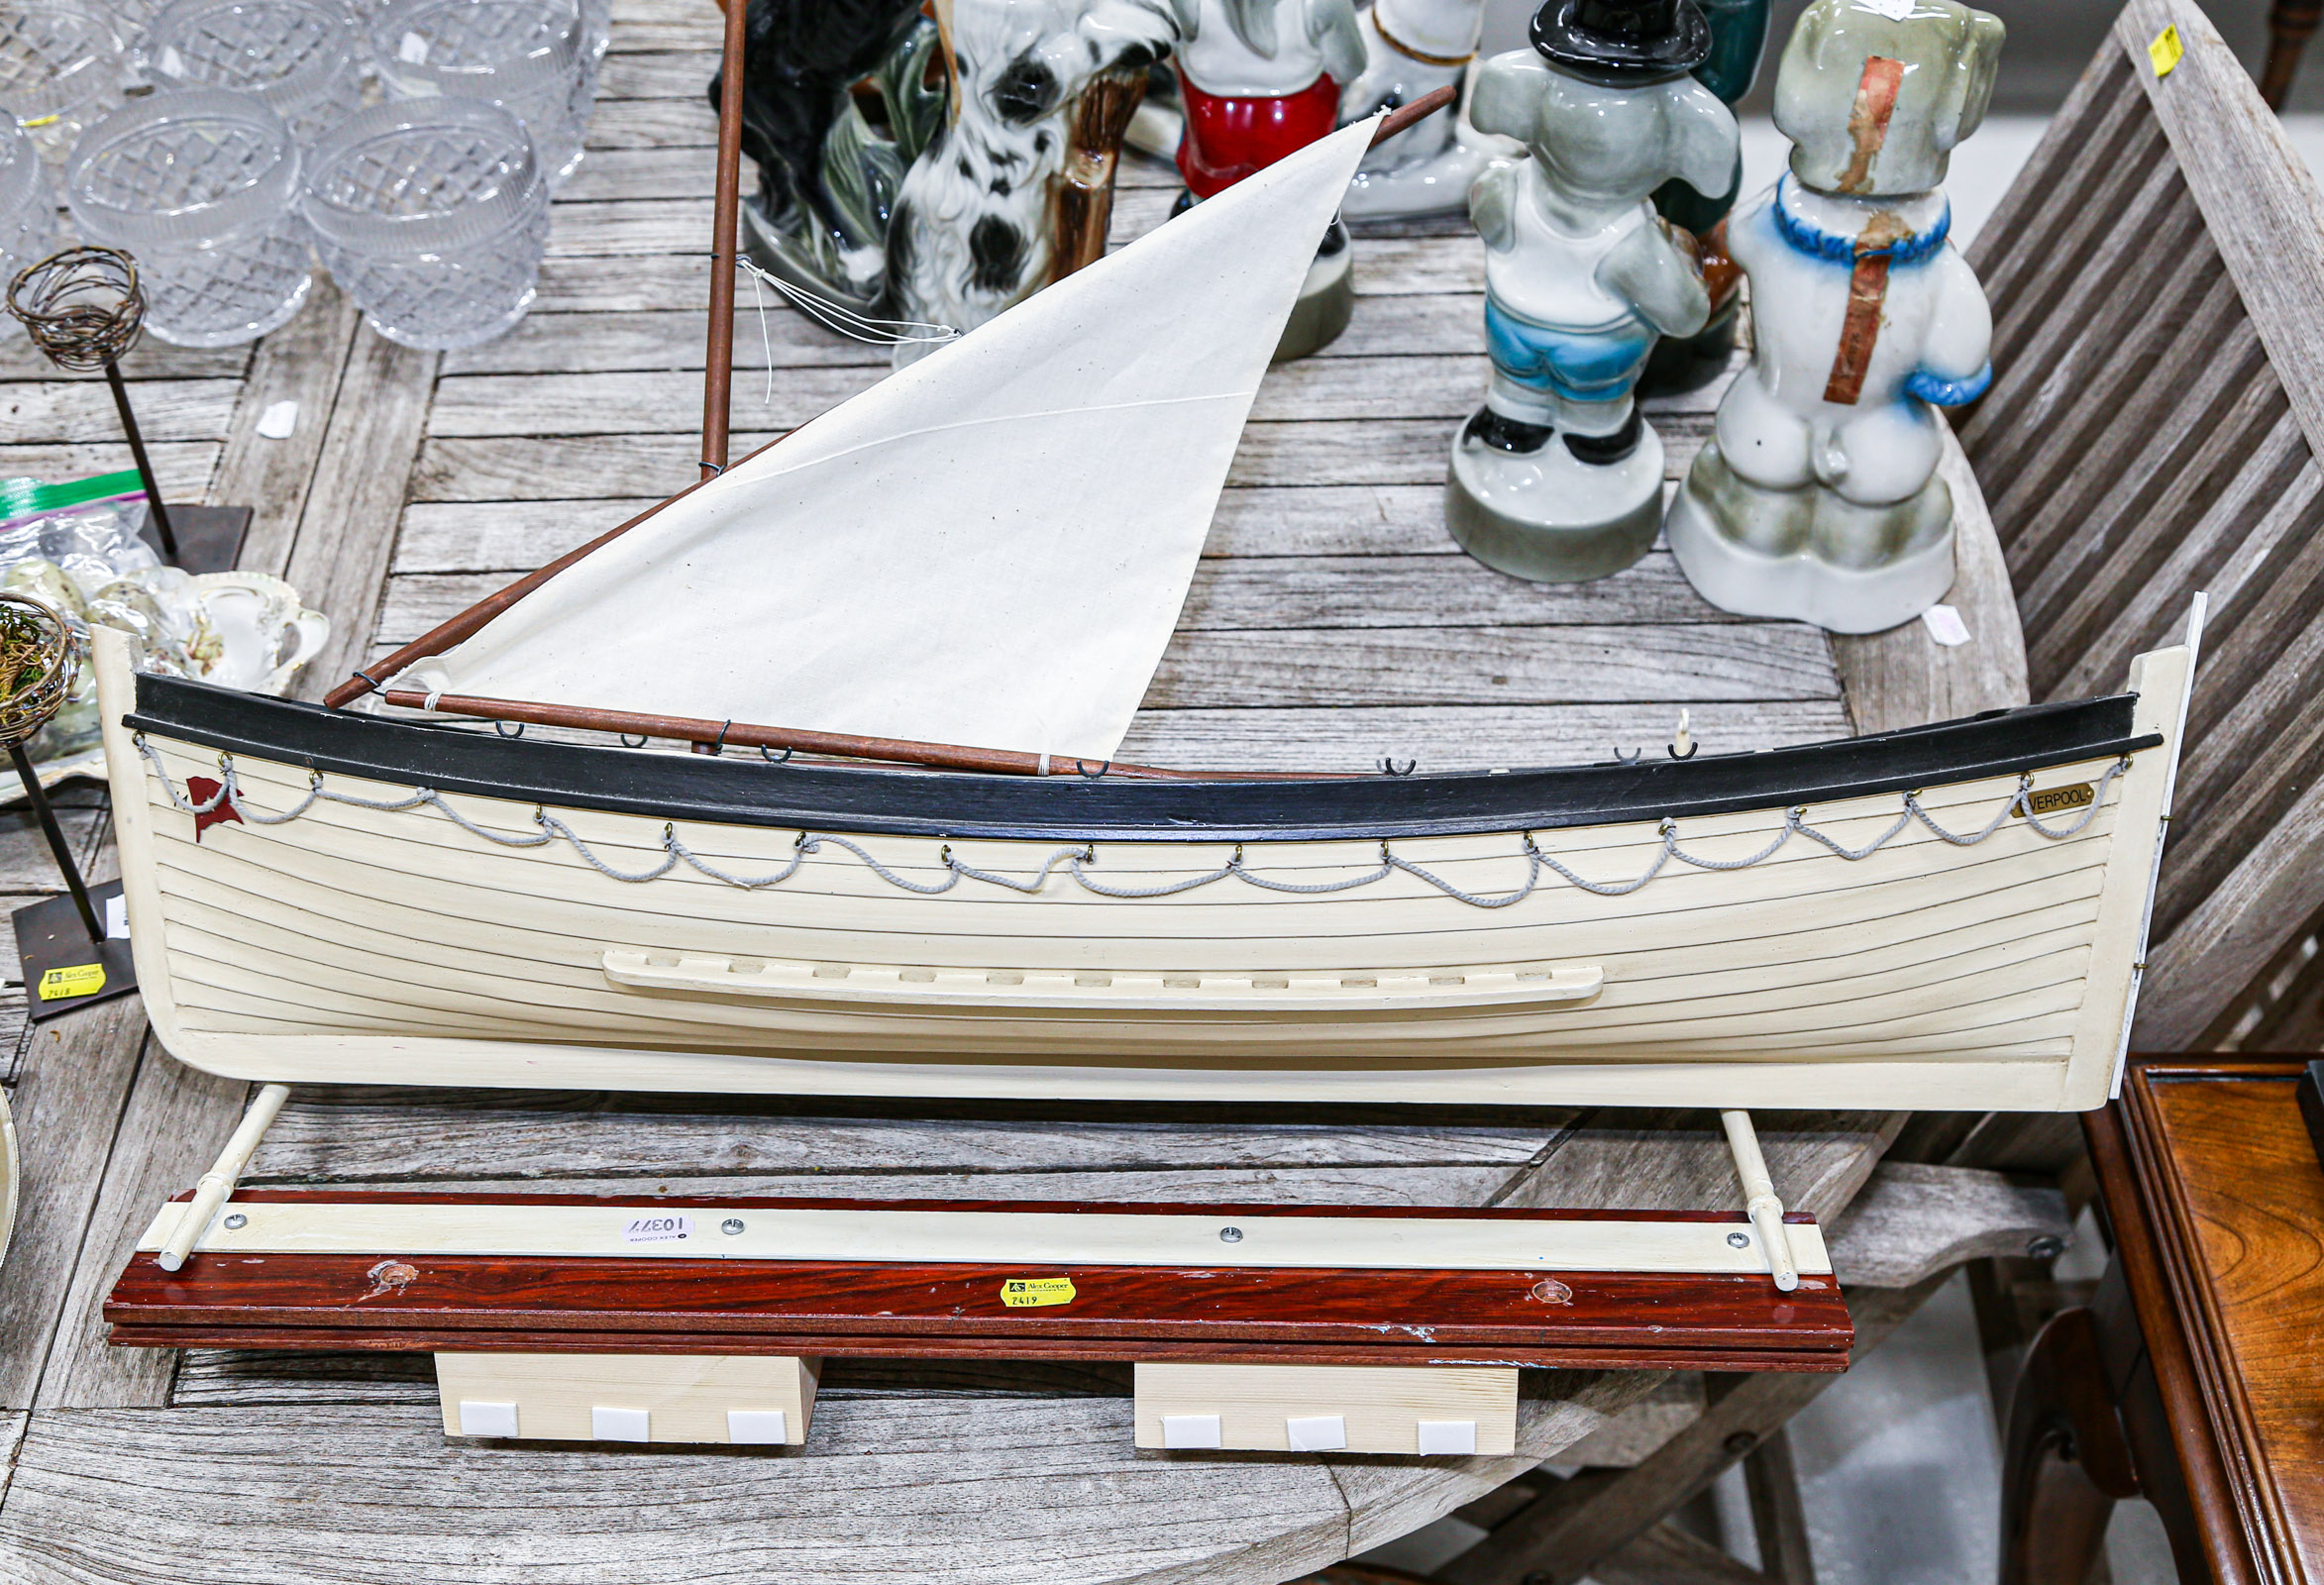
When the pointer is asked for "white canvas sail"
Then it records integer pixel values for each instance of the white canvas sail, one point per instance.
(989, 547)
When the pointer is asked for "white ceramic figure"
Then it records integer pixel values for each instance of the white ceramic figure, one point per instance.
(978, 221)
(1259, 80)
(1817, 499)
(1412, 47)
(1558, 476)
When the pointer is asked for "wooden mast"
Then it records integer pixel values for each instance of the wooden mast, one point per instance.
(725, 215)
(718, 380)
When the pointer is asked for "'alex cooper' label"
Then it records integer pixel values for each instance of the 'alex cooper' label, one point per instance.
(1024, 1293)
(82, 980)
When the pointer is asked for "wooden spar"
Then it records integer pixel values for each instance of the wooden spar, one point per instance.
(708, 735)
(716, 379)
(718, 363)
(1407, 116)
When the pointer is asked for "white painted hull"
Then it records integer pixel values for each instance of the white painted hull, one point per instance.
(366, 946)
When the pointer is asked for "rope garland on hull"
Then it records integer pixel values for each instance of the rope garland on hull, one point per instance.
(1078, 859)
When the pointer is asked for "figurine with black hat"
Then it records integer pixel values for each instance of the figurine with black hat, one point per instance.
(1559, 477)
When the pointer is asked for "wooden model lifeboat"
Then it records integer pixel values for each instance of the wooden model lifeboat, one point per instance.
(1897, 920)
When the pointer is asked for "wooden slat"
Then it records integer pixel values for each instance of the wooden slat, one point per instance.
(81, 412)
(1904, 677)
(67, 1100)
(179, 1119)
(302, 363)
(2155, 261)
(2037, 524)
(2131, 532)
(339, 558)
(2015, 228)
(2109, 491)
(1316, 605)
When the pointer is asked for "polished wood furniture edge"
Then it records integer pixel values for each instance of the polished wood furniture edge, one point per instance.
(2157, 1243)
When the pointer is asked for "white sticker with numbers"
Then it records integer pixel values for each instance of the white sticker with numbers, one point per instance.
(659, 1230)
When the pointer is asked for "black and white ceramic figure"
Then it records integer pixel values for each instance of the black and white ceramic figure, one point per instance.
(1007, 196)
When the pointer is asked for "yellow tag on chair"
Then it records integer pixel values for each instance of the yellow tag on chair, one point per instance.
(1023, 1293)
(2166, 51)
(82, 980)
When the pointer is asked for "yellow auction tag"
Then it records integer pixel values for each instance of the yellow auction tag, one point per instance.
(2166, 51)
(1023, 1293)
(82, 980)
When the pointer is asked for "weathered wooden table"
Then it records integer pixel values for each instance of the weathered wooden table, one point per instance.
(1331, 623)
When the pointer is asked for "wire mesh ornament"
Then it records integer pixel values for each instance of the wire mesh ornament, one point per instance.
(36, 664)
(83, 307)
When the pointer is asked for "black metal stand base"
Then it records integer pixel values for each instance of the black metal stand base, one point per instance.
(209, 538)
(62, 968)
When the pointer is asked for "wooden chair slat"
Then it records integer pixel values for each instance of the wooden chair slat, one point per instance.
(2157, 282)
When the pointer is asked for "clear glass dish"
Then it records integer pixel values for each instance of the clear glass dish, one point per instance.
(198, 187)
(298, 56)
(431, 215)
(529, 57)
(61, 65)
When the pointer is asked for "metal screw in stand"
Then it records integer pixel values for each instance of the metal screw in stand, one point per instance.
(2046, 1248)
(1231, 1235)
(237, 1220)
(1740, 1240)
(83, 309)
(730, 1226)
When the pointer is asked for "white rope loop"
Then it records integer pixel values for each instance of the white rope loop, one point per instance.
(1078, 860)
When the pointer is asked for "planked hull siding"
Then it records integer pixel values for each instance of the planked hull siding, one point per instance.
(370, 946)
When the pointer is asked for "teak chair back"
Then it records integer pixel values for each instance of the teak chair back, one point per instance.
(2157, 276)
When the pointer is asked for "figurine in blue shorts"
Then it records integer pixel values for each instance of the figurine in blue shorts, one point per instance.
(1557, 478)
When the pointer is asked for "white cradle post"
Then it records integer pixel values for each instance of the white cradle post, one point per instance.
(216, 1184)
(1760, 1202)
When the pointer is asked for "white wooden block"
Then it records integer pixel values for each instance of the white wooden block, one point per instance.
(609, 1425)
(674, 1398)
(1361, 1408)
(757, 1427)
(1447, 1435)
(1190, 1430)
(1316, 1434)
(477, 1418)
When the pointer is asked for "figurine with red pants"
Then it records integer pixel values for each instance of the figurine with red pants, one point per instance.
(1260, 79)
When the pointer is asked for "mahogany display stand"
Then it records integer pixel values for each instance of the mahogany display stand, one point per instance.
(690, 1320)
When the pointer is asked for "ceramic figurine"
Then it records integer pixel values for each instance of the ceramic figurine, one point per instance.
(1017, 190)
(828, 177)
(1816, 497)
(1411, 47)
(1558, 476)
(1738, 35)
(1260, 79)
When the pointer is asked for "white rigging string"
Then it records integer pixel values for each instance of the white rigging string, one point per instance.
(836, 317)
(1076, 857)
